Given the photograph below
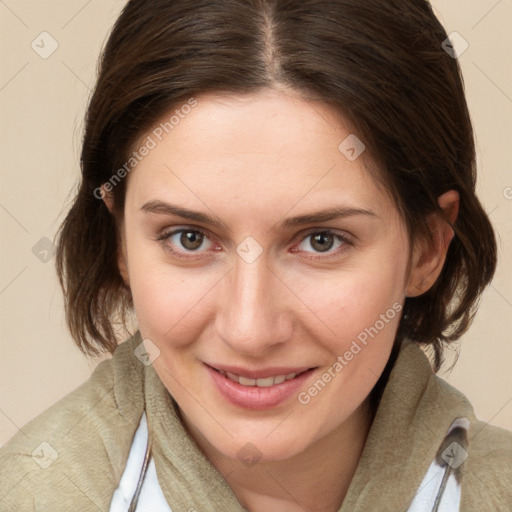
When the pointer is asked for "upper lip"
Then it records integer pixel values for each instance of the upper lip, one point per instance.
(262, 373)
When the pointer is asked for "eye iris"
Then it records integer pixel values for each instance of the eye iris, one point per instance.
(318, 242)
(191, 240)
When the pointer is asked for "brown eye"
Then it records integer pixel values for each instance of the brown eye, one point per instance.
(320, 244)
(191, 240)
(182, 243)
(322, 241)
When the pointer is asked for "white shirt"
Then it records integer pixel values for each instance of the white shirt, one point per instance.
(151, 498)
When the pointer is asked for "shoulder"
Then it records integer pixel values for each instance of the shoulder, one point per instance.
(487, 471)
(74, 452)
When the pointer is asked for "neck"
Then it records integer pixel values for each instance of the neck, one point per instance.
(316, 479)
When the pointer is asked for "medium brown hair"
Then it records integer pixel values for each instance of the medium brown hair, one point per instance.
(381, 65)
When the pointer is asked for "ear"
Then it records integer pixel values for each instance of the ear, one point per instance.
(108, 199)
(429, 254)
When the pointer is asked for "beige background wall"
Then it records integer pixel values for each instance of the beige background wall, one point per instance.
(42, 102)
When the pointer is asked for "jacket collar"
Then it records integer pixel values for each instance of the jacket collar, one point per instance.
(415, 414)
(187, 478)
(412, 420)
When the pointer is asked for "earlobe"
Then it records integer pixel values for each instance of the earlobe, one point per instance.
(107, 198)
(121, 263)
(429, 253)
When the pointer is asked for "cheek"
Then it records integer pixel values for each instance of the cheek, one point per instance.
(344, 304)
(168, 311)
(359, 314)
(155, 293)
(169, 300)
(166, 302)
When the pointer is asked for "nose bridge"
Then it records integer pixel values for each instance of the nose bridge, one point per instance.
(253, 314)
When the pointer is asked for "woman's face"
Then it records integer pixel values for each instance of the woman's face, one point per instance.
(292, 261)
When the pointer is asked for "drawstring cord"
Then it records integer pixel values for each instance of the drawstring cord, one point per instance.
(145, 464)
(457, 439)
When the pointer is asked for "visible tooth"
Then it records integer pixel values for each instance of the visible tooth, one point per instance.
(262, 383)
(232, 376)
(246, 382)
(265, 383)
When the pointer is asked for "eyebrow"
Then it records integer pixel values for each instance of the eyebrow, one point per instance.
(164, 208)
(328, 214)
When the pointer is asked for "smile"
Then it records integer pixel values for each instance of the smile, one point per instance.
(260, 383)
(261, 389)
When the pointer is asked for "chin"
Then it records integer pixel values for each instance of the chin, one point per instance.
(261, 450)
(265, 443)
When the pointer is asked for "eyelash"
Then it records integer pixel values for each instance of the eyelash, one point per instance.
(346, 241)
(162, 239)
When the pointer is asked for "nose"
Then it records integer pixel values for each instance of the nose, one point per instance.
(254, 312)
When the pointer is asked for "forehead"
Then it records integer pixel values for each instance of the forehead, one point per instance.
(263, 150)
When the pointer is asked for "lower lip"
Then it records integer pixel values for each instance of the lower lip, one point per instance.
(253, 397)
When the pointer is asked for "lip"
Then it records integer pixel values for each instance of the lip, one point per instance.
(253, 397)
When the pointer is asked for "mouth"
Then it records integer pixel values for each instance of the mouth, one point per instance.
(262, 382)
(258, 389)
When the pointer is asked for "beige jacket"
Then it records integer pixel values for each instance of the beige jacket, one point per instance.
(72, 456)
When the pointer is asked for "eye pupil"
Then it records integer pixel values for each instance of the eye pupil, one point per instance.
(318, 241)
(191, 240)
